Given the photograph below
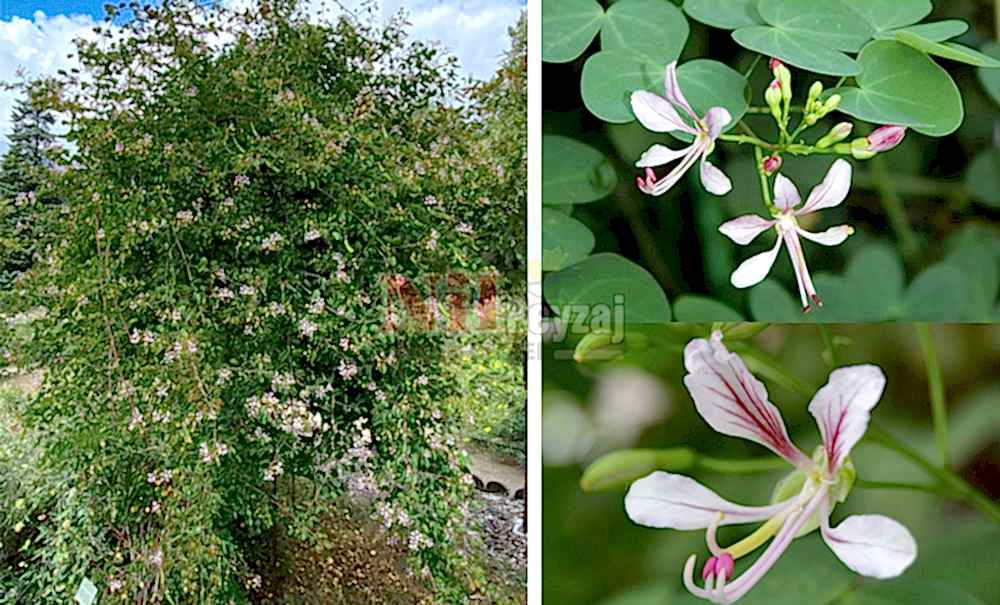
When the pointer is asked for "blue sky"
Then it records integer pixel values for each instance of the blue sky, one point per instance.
(36, 35)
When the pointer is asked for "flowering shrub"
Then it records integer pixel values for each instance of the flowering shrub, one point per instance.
(241, 188)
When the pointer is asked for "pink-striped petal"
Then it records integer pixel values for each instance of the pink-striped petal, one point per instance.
(661, 186)
(842, 408)
(665, 500)
(832, 191)
(657, 155)
(746, 228)
(786, 194)
(657, 114)
(674, 93)
(732, 401)
(834, 236)
(753, 270)
(714, 180)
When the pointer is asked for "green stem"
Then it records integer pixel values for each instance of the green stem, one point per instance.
(840, 82)
(918, 487)
(894, 209)
(831, 353)
(746, 140)
(939, 410)
(949, 482)
(739, 467)
(767, 110)
(753, 66)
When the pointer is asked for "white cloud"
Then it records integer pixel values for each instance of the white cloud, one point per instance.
(40, 46)
(475, 31)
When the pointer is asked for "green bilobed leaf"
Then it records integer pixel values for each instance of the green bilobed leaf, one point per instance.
(829, 23)
(568, 28)
(724, 14)
(840, 305)
(565, 240)
(891, 14)
(947, 50)
(975, 250)
(769, 301)
(876, 279)
(605, 283)
(695, 309)
(937, 294)
(909, 591)
(609, 78)
(657, 27)
(573, 172)
(796, 49)
(901, 85)
(983, 178)
(990, 78)
(708, 84)
(938, 31)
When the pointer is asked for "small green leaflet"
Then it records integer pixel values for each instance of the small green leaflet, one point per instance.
(937, 31)
(86, 594)
(574, 172)
(829, 23)
(796, 49)
(891, 14)
(568, 27)
(724, 14)
(565, 240)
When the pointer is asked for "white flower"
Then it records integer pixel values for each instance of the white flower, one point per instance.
(659, 115)
(307, 327)
(743, 230)
(272, 243)
(312, 235)
(735, 403)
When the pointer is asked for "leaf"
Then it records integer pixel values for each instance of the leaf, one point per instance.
(609, 78)
(658, 28)
(606, 284)
(947, 50)
(937, 294)
(876, 277)
(840, 305)
(956, 557)
(989, 78)
(708, 84)
(565, 240)
(796, 49)
(908, 590)
(568, 28)
(938, 31)
(724, 14)
(830, 23)
(975, 250)
(983, 178)
(695, 309)
(891, 14)
(769, 301)
(574, 172)
(901, 85)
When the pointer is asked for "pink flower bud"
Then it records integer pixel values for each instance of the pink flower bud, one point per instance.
(772, 164)
(775, 64)
(709, 570)
(886, 138)
(724, 564)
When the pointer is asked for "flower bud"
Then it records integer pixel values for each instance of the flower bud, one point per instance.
(772, 164)
(785, 77)
(814, 92)
(859, 149)
(831, 104)
(837, 134)
(773, 98)
(886, 138)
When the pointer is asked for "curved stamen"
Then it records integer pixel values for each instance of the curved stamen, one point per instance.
(689, 579)
(713, 545)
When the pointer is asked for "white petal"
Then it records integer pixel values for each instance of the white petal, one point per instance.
(714, 180)
(665, 500)
(786, 194)
(842, 408)
(755, 269)
(716, 119)
(732, 400)
(658, 155)
(745, 229)
(832, 191)
(834, 236)
(656, 113)
(674, 92)
(691, 155)
(872, 545)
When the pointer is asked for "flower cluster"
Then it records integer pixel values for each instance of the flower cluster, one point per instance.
(673, 113)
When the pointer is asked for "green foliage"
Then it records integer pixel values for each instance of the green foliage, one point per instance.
(606, 289)
(218, 326)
